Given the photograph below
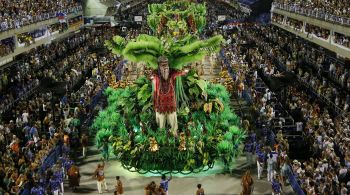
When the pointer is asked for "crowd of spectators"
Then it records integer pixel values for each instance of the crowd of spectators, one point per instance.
(312, 30)
(60, 27)
(317, 31)
(278, 18)
(342, 39)
(37, 124)
(67, 55)
(296, 24)
(333, 68)
(216, 8)
(334, 7)
(26, 39)
(328, 169)
(7, 46)
(293, 53)
(15, 14)
(75, 21)
(244, 64)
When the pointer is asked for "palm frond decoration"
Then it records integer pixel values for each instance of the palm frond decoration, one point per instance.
(225, 147)
(116, 45)
(146, 48)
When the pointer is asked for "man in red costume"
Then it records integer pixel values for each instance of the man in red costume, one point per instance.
(164, 99)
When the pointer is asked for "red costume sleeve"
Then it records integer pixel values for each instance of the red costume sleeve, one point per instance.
(176, 73)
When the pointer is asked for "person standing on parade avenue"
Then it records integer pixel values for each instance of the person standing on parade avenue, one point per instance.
(37, 190)
(84, 143)
(270, 167)
(260, 163)
(118, 187)
(100, 176)
(248, 149)
(247, 184)
(164, 183)
(276, 187)
(58, 174)
(151, 189)
(74, 177)
(54, 185)
(200, 190)
(105, 149)
(260, 159)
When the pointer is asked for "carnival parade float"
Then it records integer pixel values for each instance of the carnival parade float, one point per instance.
(171, 120)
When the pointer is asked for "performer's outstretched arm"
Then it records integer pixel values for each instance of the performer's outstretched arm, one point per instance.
(180, 73)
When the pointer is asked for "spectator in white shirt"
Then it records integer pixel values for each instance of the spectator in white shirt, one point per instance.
(25, 117)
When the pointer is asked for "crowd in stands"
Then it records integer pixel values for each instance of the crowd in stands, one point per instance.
(296, 24)
(335, 69)
(137, 10)
(293, 52)
(278, 18)
(216, 8)
(328, 169)
(312, 30)
(244, 64)
(26, 39)
(318, 31)
(342, 40)
(38, 123)
(60, 27)
(7, 46)
(15, 14)
(74, 21)
(68, 57)
(334, 7)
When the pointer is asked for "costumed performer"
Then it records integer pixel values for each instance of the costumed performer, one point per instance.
(164, 99)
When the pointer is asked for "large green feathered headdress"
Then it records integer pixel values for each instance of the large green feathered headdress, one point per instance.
(146, 48)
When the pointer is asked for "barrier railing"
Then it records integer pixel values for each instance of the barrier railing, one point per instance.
(51, 158)
(94, 101)
(294, 182)
(312, 13)
(49, 161)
